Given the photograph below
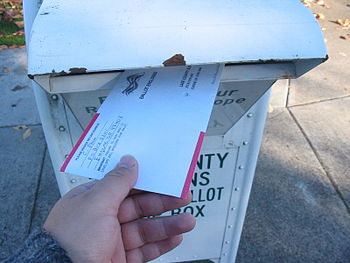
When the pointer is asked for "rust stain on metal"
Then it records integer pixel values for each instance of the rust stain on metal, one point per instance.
(77, 70)
(176, 60)
(287, 76)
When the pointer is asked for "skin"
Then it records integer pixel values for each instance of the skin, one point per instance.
(104, 221)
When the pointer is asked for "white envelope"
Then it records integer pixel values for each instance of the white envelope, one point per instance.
(157, 115)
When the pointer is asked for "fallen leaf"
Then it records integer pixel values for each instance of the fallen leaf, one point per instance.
(27, 133)
(344, 22)
(2, 47)
(19, 87)
(322, 3)
(22, 46)
(19, 24)
(13, 46)
(176, 60)
(347, 37)
(320, 16)
(18, 33)
(20, 127)
(306, 3)
(5, 69)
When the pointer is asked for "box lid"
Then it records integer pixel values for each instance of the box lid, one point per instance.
(71, 37)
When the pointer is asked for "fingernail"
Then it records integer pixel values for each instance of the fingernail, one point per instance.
(127, 161)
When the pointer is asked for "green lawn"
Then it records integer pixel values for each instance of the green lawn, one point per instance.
(10, 32)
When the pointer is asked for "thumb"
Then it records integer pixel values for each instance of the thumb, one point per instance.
(116, 184)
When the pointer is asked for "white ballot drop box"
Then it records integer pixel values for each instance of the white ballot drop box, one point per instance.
(77, 49)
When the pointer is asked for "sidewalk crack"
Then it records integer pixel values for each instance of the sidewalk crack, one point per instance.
(318, 157)
(319, 101)
(28, 125)
(37, 188)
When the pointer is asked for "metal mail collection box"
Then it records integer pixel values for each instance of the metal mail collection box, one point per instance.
(77, 50)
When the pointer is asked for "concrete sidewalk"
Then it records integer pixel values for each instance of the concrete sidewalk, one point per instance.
(300, 201)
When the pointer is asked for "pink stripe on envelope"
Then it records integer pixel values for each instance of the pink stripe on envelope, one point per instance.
(190, 173)
(75, 148)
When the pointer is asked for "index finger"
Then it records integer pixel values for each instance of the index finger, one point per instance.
(148, 204)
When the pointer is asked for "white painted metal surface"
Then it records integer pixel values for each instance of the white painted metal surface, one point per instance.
(135, 34)
(224, 172)
(250, 31)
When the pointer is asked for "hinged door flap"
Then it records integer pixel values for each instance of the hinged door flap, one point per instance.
(69, 38)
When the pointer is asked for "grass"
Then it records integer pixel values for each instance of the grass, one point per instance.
(12, 40)
(10, 32)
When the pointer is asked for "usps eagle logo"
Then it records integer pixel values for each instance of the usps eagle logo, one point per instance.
(133, 83)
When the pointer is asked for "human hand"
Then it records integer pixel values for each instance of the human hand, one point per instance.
(103, 221)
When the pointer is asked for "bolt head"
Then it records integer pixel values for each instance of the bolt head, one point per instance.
(61, 128)
(245, 143)
(54, 97)
(249, 115)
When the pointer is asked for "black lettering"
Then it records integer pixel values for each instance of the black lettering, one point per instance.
(218, 102)
(221, 95)
(91, 109)
(197, 197)
(220, 189)
(205, 178)
(176, 211)
(189, 209)
(222, 158)
(231, 91)
(228, 101)
(200, 179)
(240, 100)
(210, 194)
(102, 99)
(200, 196)
(200, 162)
(209, 155)
(199, 211)
(195, 179)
